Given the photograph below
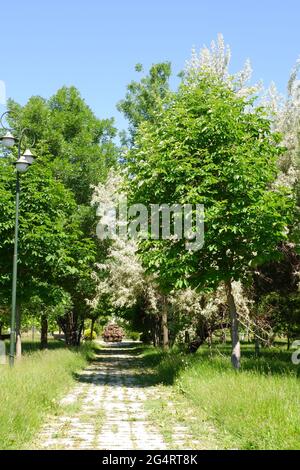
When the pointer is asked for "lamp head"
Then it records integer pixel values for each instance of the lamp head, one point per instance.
(8, 140)
(22, 164)
(28, 156)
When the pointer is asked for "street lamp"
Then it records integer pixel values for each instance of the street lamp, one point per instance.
(22, 165)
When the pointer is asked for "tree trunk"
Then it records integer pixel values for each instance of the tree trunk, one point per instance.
(18, 333)
(71, 328)
(80, 333)
(154, 337)
(203, 332)
(156, 330)
(164, 324)
(223, 336)
(202, 335)
(186, 337)
(44, 331)
(92, 328)
(236, 348)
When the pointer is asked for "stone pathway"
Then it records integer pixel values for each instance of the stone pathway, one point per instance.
(106, 409)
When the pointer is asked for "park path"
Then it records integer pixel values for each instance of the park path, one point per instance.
(106, 408)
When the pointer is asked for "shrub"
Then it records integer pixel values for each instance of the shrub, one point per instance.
(134, 335)
(87, 335)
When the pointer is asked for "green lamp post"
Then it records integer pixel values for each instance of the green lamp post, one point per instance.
(22, 164)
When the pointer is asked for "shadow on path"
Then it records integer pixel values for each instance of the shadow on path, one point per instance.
(116, 362)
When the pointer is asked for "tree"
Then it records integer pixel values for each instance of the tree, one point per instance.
(45, 212)
(195, 316)
(144, 98)
(73, 151)
(121, 280)
(211, 146)
(285, 113)
(276, 283)
(76, 145)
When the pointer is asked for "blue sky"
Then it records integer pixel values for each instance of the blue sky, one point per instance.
(95, 44)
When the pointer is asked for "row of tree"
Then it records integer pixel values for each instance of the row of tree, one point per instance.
(57, 243)
(216, 141)
(220, 142)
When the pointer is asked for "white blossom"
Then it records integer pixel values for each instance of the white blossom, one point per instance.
(122, 277)
(216, 61)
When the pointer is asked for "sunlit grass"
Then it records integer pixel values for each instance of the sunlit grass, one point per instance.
(31, 389)
(255, 408)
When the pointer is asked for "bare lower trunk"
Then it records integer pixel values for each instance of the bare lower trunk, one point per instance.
(202, 335)
(164, 325)
(92, 329)
(288, 340)
(186, 337)
(18, 333)
(236, 348)
(71, 328)
(44, 331)
(156, 332)
(223, 337)
(155, 335)
(203, 332)
(80, 333)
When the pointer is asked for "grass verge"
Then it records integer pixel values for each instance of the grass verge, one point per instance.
(255, 408)
(30, 390)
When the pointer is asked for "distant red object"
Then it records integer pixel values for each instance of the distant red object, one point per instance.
(113, 333)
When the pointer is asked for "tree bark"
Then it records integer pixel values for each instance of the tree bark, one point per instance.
(164, 324)
(80, 333)
(44, 331)
(71, 328)
(202, 335)
(256, 345)
(186, 337)
(203, 332)
(154, 337)
(236, 348)
(156, 330)
(223, 337)
(18, 333)
(92, 328)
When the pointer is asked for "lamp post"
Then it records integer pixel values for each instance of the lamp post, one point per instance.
(22, 164)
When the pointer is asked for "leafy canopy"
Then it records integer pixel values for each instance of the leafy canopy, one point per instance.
(211, 146)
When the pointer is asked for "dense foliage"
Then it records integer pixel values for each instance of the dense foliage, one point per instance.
(216, 140)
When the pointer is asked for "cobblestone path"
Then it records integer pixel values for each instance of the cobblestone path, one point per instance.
(106, 409)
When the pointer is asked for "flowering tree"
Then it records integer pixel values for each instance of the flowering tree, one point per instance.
(195, 315)
(121, 278)
(211, 146)
(276, 284)
(216, 61)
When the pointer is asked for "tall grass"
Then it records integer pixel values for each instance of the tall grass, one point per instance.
(30, 390)
(256, 408)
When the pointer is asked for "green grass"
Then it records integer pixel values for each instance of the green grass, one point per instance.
(255, 408)
(31, 389)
